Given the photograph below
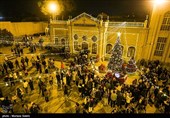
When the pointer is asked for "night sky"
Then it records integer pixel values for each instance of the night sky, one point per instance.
(15, 9)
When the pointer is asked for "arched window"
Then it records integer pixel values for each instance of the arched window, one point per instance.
(84, 45)
(131, 52)
(94, 48)
(161, 43)
(108, 48)
(76, 46)
(166, 22)
(56, 41)
(63, 42)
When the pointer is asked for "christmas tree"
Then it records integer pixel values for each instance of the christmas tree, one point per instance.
(115, 63)
(131, 66)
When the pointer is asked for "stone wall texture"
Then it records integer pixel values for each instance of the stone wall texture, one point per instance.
(24, 28)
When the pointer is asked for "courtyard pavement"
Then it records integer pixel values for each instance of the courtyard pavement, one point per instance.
(57, 103)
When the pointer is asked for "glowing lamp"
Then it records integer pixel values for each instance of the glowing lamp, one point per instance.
(6, 84)
(52, 7)
(117, 75)
(159, 1)
(118, 34)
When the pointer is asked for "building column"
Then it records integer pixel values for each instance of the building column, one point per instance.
(70, 37)
(100, 47)
(152, 32)
(105, 39)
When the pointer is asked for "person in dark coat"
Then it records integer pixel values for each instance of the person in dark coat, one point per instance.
(44, 64)
(31, 84)
(46, 70)
(38, 58)
(40, 85)
(12, 81)
(23, 67)
(5, 67)
(51, 80)
(26, 60)
(37, 65)
(77, 108)
(19, 93)
(22, 51)
(17, 64)
(91, 103)
(167, 106)
(58, 79)
(97, 96)
(40, 68)
(43, 88)
(65, 92)
(68, 79)
(83, 91)
(34, 108)
(22, 61)
(8, 104)
(109, 97)
(46, 95)
(1, 94)
(11, 65)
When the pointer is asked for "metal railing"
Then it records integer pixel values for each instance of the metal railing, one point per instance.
(126, 24)
(58, 21)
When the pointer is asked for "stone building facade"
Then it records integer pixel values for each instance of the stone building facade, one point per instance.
(143, 40)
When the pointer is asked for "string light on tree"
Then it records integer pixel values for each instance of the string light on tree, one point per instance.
(115, 63)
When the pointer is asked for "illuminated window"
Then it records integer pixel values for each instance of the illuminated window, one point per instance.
(63, 42)
(94, 48)
(76, 46)
(160, 46)
(131, 52)
(166, 22)
(84, 45)
(108, 48)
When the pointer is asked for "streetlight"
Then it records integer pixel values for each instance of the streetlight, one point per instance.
(53, 8)
(159, 1)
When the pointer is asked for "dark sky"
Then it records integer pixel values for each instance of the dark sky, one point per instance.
(27, 8)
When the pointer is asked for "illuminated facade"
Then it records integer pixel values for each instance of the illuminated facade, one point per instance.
(139, 39)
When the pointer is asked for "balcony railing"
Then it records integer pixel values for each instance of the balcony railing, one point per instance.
(58, 21)
(126, 24)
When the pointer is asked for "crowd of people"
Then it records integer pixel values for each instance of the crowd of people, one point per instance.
(91, 87)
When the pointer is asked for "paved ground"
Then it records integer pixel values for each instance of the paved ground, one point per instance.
(57, 103)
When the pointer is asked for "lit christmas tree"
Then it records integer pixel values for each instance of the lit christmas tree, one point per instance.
(131, 66)
(115, 63)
